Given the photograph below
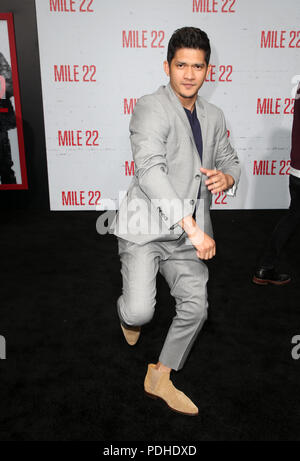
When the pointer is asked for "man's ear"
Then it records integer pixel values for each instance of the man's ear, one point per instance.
(167, 68)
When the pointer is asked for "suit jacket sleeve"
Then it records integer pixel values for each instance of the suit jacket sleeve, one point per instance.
(149, 127)
(227, 160)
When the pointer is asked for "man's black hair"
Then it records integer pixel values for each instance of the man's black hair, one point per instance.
(189, 37)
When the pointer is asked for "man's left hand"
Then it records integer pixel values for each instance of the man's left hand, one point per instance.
(217, 181)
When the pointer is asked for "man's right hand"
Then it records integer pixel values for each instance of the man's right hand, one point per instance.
(204, 244)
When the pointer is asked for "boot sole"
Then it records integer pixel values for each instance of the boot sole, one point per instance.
(156, 397)
(267, 282)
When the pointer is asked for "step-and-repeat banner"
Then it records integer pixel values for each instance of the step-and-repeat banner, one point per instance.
(98, 57)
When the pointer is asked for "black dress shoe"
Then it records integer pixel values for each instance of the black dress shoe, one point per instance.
(265, 275)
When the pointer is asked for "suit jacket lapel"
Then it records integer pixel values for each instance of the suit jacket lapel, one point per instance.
(202, 117)
(181, 113)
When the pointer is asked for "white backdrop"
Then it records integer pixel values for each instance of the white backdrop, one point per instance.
(94, 55)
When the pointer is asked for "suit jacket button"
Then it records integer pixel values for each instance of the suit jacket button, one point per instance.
(197, 176)
(192, 202)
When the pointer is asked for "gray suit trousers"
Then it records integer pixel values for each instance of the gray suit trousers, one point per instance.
(186, 276)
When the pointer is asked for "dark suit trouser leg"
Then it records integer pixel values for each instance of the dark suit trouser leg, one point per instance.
(7, 174)
(285, 228)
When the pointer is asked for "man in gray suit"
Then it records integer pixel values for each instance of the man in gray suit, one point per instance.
(182, 156)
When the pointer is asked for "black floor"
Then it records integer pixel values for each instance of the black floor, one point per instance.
(69, 374)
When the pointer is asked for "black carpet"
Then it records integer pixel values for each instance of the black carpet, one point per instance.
(69, 375)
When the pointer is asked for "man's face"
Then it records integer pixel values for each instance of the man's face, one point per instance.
(187, 72)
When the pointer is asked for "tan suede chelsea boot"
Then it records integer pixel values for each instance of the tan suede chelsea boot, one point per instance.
(131, 334)
(157, 384)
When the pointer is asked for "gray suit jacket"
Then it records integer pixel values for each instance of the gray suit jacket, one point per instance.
(167, 168)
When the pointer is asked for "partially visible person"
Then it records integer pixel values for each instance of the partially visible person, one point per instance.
(7, 122)
(267, 273)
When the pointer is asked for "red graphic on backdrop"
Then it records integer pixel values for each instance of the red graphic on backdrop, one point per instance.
(74, 73)
(73, 198)
(78, 138)
(79, 198)
(271, 167)
(284, 167)
(280, 39)
(143, 39)
(220, 199)
(275, 106)
(129, 105)
(220, 74)
(71, 6)
(214, 6)
(129, 168)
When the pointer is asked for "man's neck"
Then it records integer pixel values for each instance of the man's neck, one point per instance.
(187, 103)
(188, 108)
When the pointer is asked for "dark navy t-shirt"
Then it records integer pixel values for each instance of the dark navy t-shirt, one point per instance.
(196, 129)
